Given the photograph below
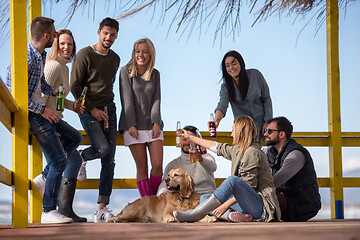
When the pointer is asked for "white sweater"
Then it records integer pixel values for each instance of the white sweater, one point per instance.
(202, 173)
(57, 72)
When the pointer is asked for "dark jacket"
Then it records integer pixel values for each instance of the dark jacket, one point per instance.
(302, 190)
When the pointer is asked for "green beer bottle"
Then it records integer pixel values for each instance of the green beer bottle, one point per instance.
(60, 98)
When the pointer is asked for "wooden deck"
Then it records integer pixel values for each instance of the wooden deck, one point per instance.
(319, 229)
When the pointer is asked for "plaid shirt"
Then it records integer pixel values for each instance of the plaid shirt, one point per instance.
(35, 59)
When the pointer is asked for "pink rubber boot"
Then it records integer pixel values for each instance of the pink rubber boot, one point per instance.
(155, 182)
(144, 187)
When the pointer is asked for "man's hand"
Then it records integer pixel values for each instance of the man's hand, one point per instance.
(78, 108)
(50, 115)
(100, 115)
(198, 155)
(56, 91)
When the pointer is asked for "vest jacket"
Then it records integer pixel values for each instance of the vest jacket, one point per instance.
(302, 190)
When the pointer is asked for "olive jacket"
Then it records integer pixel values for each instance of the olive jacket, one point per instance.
(253, 167)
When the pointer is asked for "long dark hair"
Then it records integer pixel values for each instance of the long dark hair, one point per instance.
(243, 77)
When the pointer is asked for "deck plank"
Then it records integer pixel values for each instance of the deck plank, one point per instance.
(319, 229)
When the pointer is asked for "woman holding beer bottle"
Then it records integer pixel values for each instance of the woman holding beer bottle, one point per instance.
(249, 193)
(245, 89)
(140, 120)
(57, 74)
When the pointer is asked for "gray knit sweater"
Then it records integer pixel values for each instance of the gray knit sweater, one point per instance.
(201, 172)
(140, 101)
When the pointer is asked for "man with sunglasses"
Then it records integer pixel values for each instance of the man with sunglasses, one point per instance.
(293, 171)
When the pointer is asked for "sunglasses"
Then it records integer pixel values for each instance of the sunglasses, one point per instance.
(269, 131)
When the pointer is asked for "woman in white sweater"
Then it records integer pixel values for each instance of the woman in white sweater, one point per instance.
(56, 72)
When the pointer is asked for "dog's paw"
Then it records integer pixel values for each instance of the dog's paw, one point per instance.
(170, 220)
(209, 219)
(112, 220)
(147, 219)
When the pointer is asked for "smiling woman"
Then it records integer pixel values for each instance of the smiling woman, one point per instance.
(245, 90)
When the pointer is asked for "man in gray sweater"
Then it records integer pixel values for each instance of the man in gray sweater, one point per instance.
(95, 67)
(202, 171)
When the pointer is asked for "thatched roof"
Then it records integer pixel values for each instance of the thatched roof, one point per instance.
(186, 14)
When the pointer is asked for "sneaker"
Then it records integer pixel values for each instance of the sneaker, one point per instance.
(54, 216)
(240, 217)
(39, 183)
(103, 215)
(82, 171)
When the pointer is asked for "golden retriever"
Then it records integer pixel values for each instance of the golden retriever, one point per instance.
(181, 196)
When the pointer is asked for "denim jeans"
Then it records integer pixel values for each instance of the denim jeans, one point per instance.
(248, 200)
(55, 141)
(235, 207)
(103, 145)
(71, 139)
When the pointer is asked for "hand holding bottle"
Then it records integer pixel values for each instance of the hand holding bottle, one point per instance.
(78, 108)
(195, 155)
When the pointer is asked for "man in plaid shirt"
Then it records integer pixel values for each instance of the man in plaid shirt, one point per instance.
(53, 134)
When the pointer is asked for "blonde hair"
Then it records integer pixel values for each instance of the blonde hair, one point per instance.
(54, 51)
(132, 65)
(245, 133)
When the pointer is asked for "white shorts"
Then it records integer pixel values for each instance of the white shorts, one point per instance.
(144, 136)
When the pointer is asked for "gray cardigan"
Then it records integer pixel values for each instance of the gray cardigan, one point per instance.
(257, 103)
(140, 101)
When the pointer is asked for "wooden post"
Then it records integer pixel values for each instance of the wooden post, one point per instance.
(334, 113)
(35, 149)
(20, 134)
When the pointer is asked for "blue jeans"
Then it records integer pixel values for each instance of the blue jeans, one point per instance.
(55, 141)
(71, 139)
(103, 145)
(248, 200)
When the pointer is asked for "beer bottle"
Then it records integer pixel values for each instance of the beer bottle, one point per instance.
(60, 98)
(106, 124)
(178, 131)
(192, 152)
(212, 127)
(201, 149)
(81, 99)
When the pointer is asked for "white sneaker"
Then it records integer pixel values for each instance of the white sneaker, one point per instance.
(39, 183)
(103, 215)
(54, 216)
(82, 171)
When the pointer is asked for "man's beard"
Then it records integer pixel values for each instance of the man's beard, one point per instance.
(49, 43)
(271, 142)
(182, 149)
(104, 46)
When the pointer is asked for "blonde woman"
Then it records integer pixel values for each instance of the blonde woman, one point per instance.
(56, 72)
(249, 193)
(140, 121)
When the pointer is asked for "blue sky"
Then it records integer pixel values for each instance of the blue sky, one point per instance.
(291, 58)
